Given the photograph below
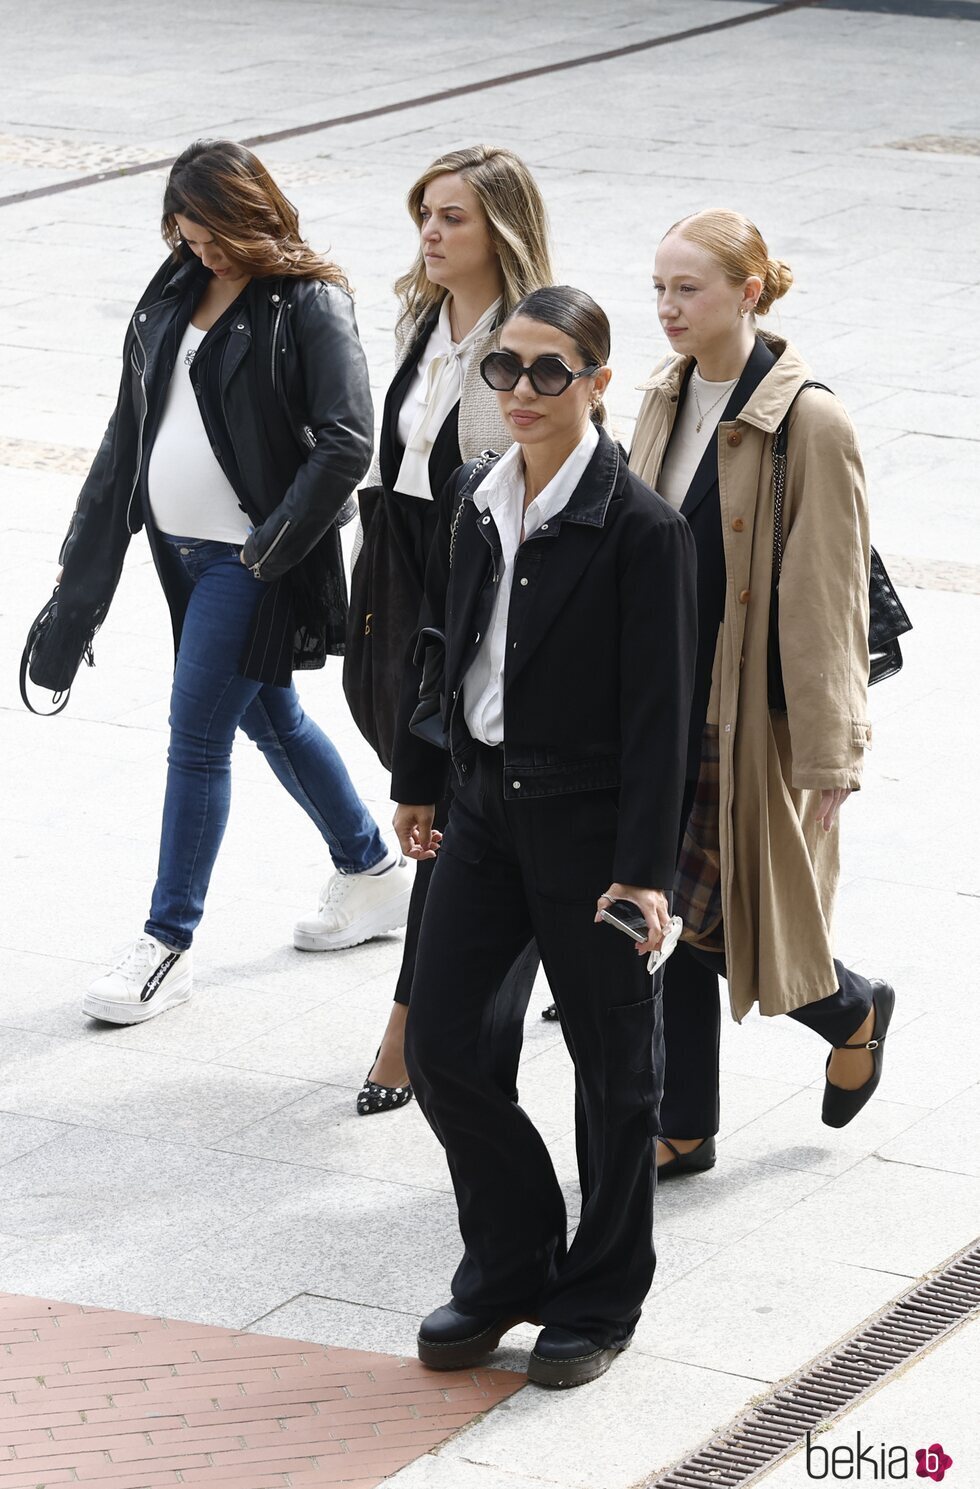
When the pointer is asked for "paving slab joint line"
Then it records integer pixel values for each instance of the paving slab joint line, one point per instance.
(831, 1384)
(141, 168)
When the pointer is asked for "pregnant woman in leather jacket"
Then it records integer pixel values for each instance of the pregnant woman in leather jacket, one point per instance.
(243, 423)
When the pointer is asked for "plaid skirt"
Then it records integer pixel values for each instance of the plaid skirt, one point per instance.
(697, 883)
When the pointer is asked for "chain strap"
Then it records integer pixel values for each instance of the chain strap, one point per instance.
(778, 492)
(480, 465)
(779, 444)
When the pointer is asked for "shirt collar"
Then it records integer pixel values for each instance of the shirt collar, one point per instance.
(506, 481)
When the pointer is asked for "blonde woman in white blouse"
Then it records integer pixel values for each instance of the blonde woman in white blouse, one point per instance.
(483, 245)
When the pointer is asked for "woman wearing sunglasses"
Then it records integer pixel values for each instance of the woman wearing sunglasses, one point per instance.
(767, 865)
(483, 244)
(565, 589)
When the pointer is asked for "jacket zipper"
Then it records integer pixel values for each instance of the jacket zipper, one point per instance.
(139, 436)
(257, 566)
(275, 339)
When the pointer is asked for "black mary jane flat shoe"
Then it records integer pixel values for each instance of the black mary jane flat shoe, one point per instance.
(698, 1161)
(840, 1106)
(452, 1339)
(562, 1359)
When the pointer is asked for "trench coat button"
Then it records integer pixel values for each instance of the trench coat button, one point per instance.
(735, 438)
(142, 315)
(185, 551)
(544, 527)
(485, 521)
(744, 596)
(738, 525)
(523, 584)
(516, 785)
(240, 327)
(275, 299)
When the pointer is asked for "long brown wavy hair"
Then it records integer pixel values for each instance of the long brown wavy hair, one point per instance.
(227, 190)
(516, 218)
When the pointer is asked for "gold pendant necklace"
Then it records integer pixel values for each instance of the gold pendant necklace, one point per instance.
(704, 412)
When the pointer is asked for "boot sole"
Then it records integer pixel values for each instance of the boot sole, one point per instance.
(390, 917)
(108, 1012)
(464, 1352)
(563, 1375)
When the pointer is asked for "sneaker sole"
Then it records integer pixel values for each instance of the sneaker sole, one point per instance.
(108, 1012)
(389, 917)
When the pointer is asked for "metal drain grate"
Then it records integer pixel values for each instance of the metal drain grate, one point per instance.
(769, 1431)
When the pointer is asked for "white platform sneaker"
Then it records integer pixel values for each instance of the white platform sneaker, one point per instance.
(148, 979)
(355, 907)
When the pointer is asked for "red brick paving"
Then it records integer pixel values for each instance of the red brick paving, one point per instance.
(124, 1401)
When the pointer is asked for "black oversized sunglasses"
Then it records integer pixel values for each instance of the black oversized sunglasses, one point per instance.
(548, 376)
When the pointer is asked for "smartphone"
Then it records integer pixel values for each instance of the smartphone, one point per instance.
(627, 917)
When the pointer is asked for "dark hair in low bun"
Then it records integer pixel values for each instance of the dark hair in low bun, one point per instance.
(740, 249)
(577, 316)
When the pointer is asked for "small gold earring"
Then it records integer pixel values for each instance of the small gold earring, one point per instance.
(743, 310)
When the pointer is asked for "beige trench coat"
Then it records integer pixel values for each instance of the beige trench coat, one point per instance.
(779, 869)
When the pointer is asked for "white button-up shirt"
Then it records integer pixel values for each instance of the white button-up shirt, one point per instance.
(500, 498)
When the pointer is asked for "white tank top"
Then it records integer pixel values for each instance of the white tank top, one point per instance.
(190, 495)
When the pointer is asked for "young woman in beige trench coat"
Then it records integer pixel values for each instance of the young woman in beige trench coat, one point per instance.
(704, 440)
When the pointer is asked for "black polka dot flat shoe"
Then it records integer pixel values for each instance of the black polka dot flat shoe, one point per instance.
(373, 1098)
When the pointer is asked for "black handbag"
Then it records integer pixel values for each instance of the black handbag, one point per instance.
(384, 612)
(428, 720)
(52, 655)
(888, 618)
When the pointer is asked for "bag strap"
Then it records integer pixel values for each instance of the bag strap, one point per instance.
(59, 699)
(39, 625)
(471, 475)
(779, 446)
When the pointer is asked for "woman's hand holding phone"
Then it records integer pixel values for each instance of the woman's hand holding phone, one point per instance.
(652, 904)
(418, 838)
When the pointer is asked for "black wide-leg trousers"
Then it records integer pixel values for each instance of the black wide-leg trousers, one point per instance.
(505, 1017)
(692, 1029)
(509, 871)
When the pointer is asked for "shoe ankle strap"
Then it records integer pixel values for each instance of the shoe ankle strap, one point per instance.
(872, 1044)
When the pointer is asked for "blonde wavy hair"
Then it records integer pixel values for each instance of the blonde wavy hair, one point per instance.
(516, 218)
(739, 248)
(228, 190)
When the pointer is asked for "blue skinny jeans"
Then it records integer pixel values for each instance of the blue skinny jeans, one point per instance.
(210, 700)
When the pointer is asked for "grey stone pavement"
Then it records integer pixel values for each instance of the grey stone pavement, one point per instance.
(210, 1165)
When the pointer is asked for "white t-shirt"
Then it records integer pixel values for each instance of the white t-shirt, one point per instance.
(190, 495)
(688, 443)
(500, 498)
